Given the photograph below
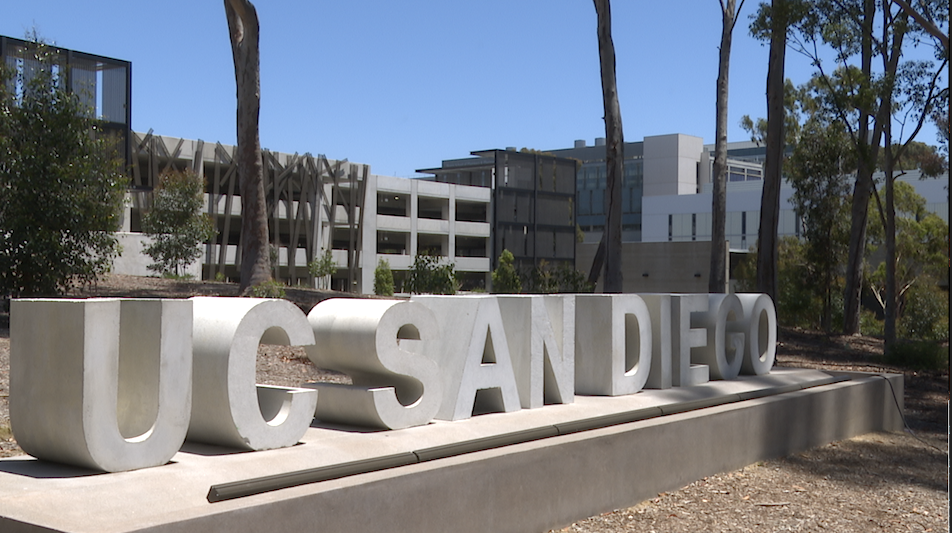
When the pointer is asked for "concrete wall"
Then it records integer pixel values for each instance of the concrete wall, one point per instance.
(532, 486)
(671, 164)
(682, 267)
(134, 262)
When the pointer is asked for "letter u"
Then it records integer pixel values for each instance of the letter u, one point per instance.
(101, 383)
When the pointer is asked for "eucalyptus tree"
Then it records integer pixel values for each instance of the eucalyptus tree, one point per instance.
(819, 170)
(255, 248)
(883, 104)
(922, 253)
(609, 249)
(772, 23)
(718, 276)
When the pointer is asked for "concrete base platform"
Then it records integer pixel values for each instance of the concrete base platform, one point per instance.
(525, 487)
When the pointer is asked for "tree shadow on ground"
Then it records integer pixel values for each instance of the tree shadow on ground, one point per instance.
(878, 460)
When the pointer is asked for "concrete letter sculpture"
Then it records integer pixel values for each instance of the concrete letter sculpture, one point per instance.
(541, 335)
(724, 323)
(474, 358)
(761, 345)
(387, 348)
(101, 383)
(613, 341)
(659, 310)
(227, 408)
(685, 336)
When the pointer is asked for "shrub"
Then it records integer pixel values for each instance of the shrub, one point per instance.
(925, 314)
(429, 276)
(870, 324)
(383, 279)
(322, 268)
(571, 280)
(61, 186)
(176, 223)
(798, 304)
(268, 289)
(505, 278)
(919, 355)
(543, 279)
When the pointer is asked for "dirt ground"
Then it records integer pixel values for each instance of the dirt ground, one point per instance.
(878, 482)
(891, 482)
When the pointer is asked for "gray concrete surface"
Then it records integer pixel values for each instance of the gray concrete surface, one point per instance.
(521, 488)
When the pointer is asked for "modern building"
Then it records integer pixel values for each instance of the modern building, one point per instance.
(406, 217)
(533, 202)
(667, 191)
(659, 165)
(666, 200)
(103, 84)
(317, 204)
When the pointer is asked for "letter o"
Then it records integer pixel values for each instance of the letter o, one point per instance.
(760, 348)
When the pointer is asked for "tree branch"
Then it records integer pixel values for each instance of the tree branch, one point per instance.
(926, 24)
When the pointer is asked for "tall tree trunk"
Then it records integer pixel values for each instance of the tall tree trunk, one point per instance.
(255, 249)
(889, 325)
(717, 281)
(890, 65)
(615, 150)
(862, 189)
(891, 52)
(770, 197)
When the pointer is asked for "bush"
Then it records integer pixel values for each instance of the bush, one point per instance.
(61, 186)
(543, 279)
(429, 276)
(383, 279)
(744, 272)
(925, 314)
(322, 268)
(799, 298)
(505, 278)
(268, 289)
(176, 223)
(870, 324)
(795, 306)
(571, 280)
(919, 355)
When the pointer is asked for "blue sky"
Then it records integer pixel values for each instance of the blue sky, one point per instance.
(404, 85)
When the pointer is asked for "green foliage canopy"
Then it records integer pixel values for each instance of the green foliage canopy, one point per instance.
(544, 279)
(176, 223)
(505, 278)
(922, 251)
(61, 188)
(429, 275)
(383, 279)
(322, 268)
(818, 171)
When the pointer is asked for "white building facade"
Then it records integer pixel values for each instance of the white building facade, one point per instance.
(317, 204)
(413, 216)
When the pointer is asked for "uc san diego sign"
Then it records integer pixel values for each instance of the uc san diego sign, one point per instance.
(120, 384)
